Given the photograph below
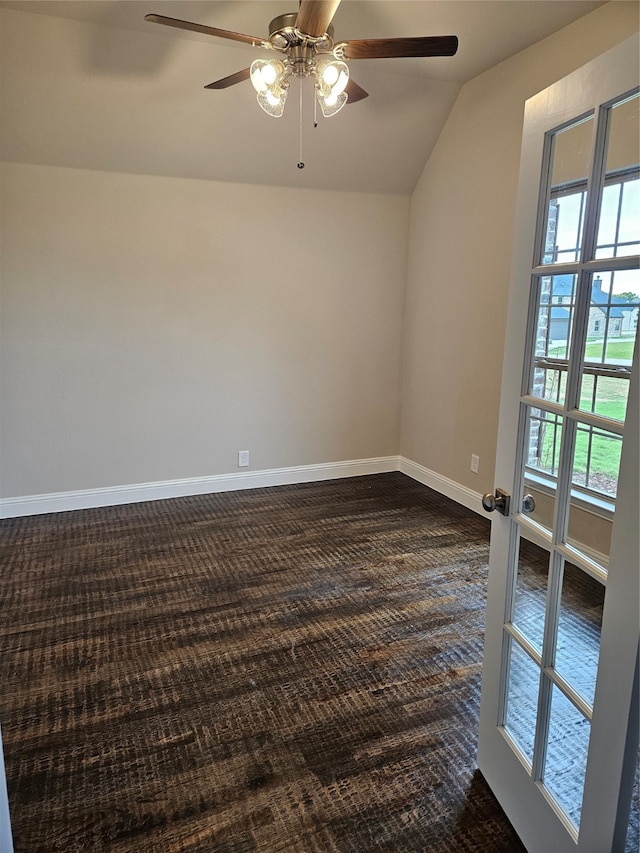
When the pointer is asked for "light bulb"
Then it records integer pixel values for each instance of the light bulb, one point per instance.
(330, 74)
(257, 79)
(341, 83)
(269, 74)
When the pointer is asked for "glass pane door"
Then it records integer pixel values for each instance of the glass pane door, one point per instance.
(582, 331)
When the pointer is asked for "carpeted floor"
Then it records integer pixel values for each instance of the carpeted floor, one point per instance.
(289, 669)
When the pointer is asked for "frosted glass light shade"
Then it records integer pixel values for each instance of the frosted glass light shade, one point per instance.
(268, 79)
(273, 101)
(332, 105)
(332, 77)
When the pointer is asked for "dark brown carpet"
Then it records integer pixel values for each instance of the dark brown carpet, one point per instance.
(280, 669)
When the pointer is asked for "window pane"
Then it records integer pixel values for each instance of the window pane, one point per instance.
(596, 461)
(571, 152)
(544, 431)
(531, 592)
(624, 130)
(609, 216)
(522, 699)
(589, 531)
(611, 335)
(629, 218)
(619, 225)
(556, 306)
(604, 395)
(619, 229)
(569, 221)
(566, 759)
(579, 626)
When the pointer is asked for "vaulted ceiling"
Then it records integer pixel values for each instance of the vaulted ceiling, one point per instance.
(90, 84)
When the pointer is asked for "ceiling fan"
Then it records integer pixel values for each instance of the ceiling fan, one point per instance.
(305, 38)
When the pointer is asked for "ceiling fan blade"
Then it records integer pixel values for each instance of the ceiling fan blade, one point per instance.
(314, 16)
(355, 92)
(400, 47)
(231, 80)
(255, 41)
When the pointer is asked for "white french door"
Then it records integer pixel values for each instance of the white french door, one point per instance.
(6, 844)
(559, 713)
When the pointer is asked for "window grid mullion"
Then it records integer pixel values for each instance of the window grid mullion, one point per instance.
(587, 472)
(595, 185)
(618, 216)
(594, 392)
(581, 218)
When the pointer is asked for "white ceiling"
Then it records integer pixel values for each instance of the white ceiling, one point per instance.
(90, 84)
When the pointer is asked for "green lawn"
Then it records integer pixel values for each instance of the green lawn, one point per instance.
(616, 350)
(608, 409)
(605, 454)
(611, 398)
(610, 402)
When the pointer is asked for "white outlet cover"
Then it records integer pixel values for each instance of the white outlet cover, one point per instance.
(243, 459)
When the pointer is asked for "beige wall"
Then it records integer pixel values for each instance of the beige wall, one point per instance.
(152, 327)
(460, 252)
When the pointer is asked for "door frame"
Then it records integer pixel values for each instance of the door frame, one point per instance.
(609, 777)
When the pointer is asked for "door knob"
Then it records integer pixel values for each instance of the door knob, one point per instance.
(528, 503)
(500, 501)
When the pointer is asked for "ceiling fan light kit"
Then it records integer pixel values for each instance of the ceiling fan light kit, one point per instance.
(269, 78)
(305, 38)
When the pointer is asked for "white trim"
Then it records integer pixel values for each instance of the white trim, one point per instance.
(137, 492)
(164, 489)
(461, 494)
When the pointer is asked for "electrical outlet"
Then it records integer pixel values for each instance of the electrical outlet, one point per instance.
(243, 459)
(475, 463)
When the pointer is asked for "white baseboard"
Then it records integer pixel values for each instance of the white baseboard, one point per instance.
(137, 492)
(461, 494)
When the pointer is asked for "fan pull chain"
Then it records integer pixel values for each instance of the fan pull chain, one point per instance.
(315, 109)
(300, 161)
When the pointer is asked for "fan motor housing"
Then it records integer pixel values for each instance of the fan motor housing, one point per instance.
(283, 34)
